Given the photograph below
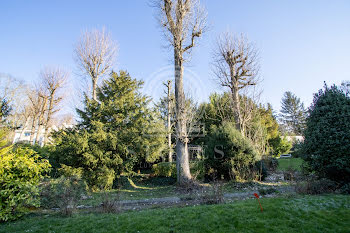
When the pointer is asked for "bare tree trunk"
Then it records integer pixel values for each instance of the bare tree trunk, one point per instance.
(24, 127)
(182, 158)
(32, 131)
(170, 156)
(236, 107)
(49, 114)
(94, 86)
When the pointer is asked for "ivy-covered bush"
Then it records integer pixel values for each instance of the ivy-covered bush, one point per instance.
(21, 170)
(229, 155)
(327, 136)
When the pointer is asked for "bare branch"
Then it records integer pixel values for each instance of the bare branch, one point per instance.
(95, 55)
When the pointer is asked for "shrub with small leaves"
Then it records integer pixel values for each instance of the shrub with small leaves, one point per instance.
(229, 154)
(327, 136)
(21, 170)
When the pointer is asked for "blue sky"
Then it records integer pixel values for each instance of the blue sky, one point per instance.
(301, 43)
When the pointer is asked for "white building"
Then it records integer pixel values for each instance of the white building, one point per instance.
(23, 135)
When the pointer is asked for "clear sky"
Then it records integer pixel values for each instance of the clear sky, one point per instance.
(301, 43)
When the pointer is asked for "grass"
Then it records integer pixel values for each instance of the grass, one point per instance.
(286, 163)
(328, 213)
(137, 188)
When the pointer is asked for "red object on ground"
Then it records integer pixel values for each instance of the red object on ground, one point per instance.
(257, 197)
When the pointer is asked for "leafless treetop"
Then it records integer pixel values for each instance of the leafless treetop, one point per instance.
(236, 61)
(95, 53)
(53, 78)
(183, 20)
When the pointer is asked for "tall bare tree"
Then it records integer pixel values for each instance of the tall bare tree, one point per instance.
(236, 67)
(95, 55)
(53, 80)
(183, 21)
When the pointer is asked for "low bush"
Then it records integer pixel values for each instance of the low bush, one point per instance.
(267, 191)
(63, 193)
(110, 203)
(215, 195)
(229, 155)
(316, 186)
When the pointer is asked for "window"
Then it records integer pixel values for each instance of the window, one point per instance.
(27, 134)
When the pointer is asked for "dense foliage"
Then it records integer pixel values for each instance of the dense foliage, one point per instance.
(261, 126)
(229, 155)
(116, 132)
(167, 169)
(21, 169)
(327, 137)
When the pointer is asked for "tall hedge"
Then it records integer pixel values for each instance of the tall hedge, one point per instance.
(327, 137)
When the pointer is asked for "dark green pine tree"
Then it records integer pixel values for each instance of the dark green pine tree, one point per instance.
(116, 132)
(293, 113)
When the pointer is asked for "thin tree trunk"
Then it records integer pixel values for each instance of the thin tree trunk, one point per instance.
(41, 119)
(94, 86)
(170, 156)
(236, 108)
(182, 158)
(38, 133)
(32, 131)
(49, 113)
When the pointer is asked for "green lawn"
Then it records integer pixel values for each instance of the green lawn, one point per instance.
(286, 163)
(329, 213)
(137, 188)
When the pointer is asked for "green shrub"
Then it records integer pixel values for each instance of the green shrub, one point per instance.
(345, 189)
(197, 169)
(164, 169)
(266, 191)
(327, 137)
(21, 170)
(229, 155)
(63, 193)
(271, 163)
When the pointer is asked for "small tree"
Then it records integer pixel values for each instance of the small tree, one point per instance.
(327, 137)
(293, 113)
